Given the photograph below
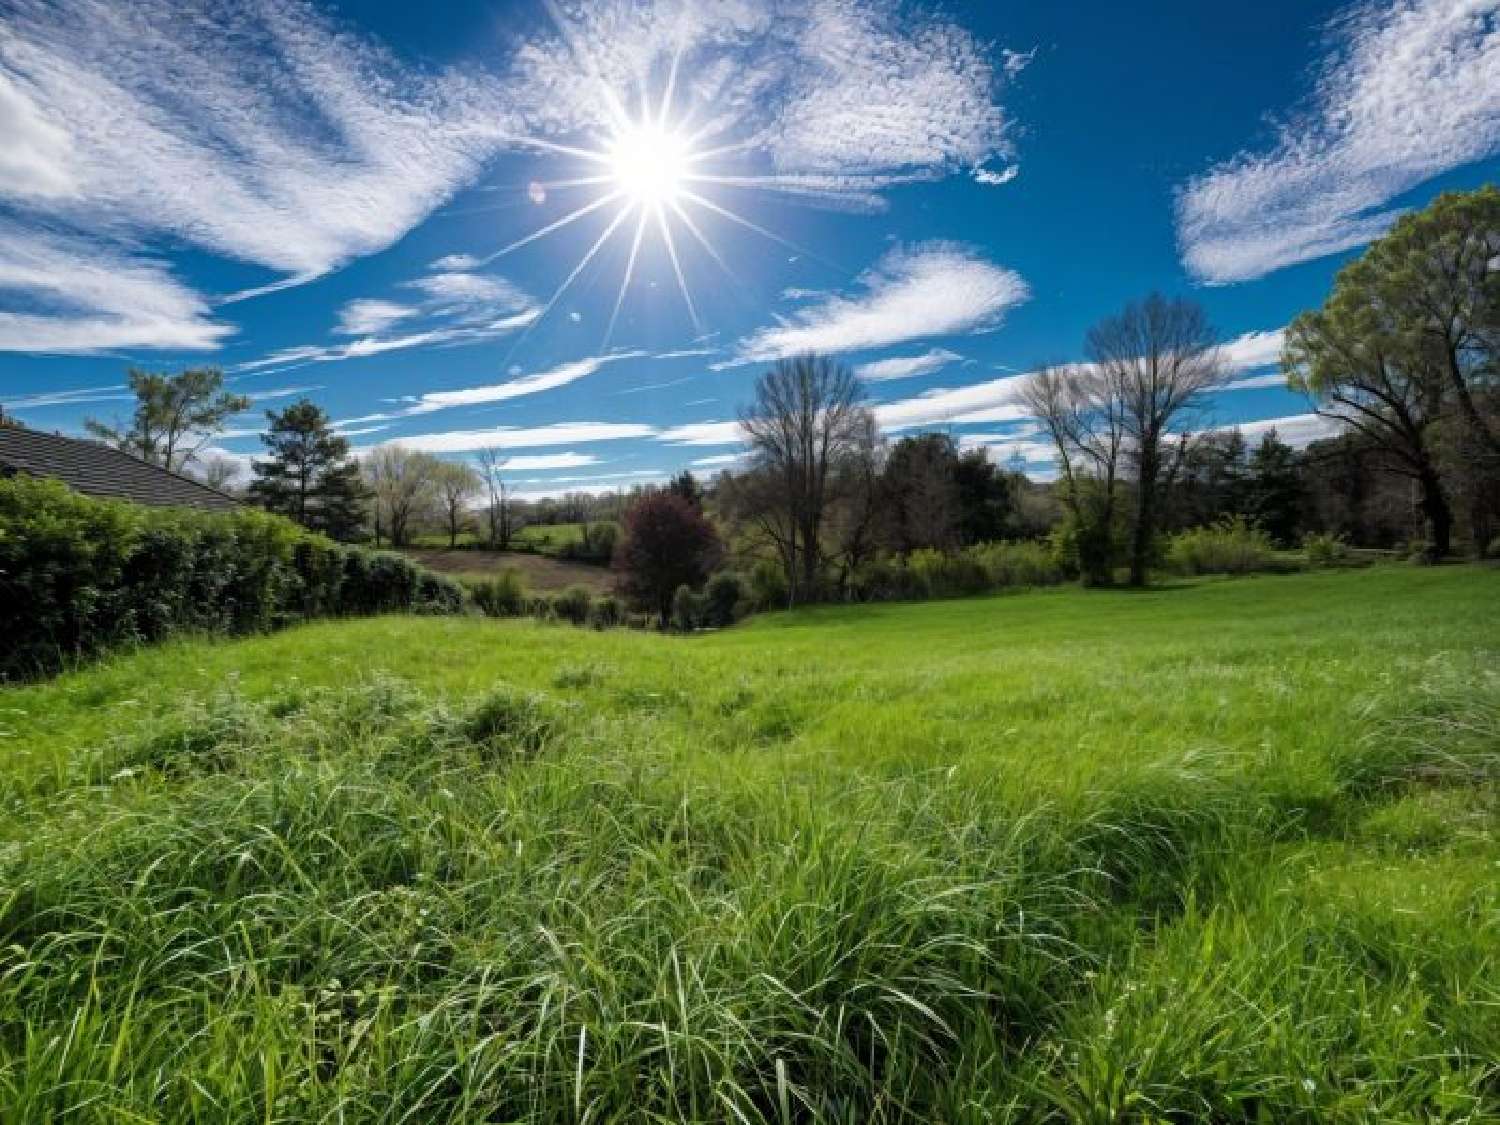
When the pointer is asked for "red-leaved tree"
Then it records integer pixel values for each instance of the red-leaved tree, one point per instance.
(665, 542)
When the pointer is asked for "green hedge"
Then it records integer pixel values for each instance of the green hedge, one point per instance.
(79, 576)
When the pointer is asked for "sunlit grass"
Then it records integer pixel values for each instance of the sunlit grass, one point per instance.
(1221, 851)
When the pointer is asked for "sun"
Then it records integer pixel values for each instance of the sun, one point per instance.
(649, 164)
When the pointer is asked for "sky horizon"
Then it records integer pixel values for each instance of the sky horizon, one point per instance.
(577, 232)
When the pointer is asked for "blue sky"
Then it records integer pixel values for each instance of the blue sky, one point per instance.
(340, 202)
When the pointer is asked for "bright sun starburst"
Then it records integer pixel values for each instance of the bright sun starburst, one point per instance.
(650, 167)
(650, 164)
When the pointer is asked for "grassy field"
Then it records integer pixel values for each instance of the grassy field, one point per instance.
(1223, 850)
(540, 573)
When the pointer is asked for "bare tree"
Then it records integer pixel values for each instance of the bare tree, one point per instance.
(499, 509)
(403, 482)
(1157, 358)
(219, 472)
(1085, 421)
(807, 416)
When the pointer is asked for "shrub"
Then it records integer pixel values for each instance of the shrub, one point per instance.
(80, 575)
(723, 598)
(499, 595)
(1324, 549)
(607, 613)
(1232, 546)
(573, 604)
(687, 609)
(1030, 563)
(768, 588)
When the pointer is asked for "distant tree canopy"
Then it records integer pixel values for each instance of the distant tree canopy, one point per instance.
(403, 483)
(665, 542)
(175, 415)
(308, 474)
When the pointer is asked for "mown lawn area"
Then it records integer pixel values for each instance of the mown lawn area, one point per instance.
(1222, 850)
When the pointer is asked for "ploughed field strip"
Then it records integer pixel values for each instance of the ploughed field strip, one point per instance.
(1220, 851)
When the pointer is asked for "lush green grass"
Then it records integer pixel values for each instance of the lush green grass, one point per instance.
(1221, 851)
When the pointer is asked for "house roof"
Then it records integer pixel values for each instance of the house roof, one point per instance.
(99, 470)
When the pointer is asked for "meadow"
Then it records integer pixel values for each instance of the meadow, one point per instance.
(1219, 850)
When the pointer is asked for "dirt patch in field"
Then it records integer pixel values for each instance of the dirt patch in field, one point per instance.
(537, 571)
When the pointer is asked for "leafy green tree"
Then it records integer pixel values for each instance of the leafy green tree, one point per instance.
(1274, 489)
(1433, 284)
(686, 485)
(457, 486)
(919, 492)
(175, 415)
(1345, 358)
(986, 502)
(309, 475)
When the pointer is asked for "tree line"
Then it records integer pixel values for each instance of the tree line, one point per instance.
(1403, 360)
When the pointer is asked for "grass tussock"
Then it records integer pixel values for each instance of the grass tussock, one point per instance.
(614, 877)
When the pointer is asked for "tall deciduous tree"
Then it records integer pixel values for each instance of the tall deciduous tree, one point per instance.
(1156, 359)
(308, 474)
(175, 415)
(1433, 285)
(499, 508)
(807, 418)
(665, 542)
(404, 484)
(1344, 357)
(457, 486)
(919, 490)
(1084, 420)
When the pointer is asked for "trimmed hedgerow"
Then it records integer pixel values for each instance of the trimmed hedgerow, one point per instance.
(79, 576)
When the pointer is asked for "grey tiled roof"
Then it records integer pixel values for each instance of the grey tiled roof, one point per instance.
(98, 470)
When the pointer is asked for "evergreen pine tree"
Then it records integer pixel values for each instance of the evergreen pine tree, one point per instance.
(309, 476)
(1274, 489)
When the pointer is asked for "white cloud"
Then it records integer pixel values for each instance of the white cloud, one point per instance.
(1253, 349)
(539, 462)
(719, 460)
(1297, 430)
(551, 379)
(1410, 90)
(79, 396)
(932, 289)
(996, 179)
(376, 345)
(450, 262)
(262, 130)
(994, 400)
(516, 437)
(367, 316)
(907, 367)
(704, 433)
(458, 288)
(839, 97)
(85, 298)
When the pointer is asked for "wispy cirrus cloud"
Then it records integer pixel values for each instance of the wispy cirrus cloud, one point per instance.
(368, 316)
(524, 437)
(907, 366)
(81, 297)
(703, 433)
(1411, 89)
(840, 98)
(912, 293)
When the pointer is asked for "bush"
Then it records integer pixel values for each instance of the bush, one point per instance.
(607, 613)
(723, 599)
(1232, 546)
(595, 544)
(768, 588)
(573, 605)
(1031, 563)
(1324, 549)
(687, 609)
(499, 595)
(79, 575)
